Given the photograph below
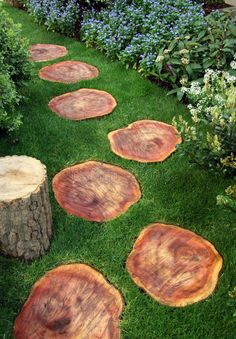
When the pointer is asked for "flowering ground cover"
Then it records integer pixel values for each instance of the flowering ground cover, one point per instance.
(172, 193)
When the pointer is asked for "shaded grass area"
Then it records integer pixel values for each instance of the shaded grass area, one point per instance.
(172, 192)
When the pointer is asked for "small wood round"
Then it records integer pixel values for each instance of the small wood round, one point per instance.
(83, 104)
(71, 301)
(25, 211)
(145, 141)
(173, 265)
(96, 191)
(68, 72)
(46, 52)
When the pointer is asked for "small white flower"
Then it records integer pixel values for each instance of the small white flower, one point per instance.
(233, 64)
(183, 51)
(185, 61)
(160, 58)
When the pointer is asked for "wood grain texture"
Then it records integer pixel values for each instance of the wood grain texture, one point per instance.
(145, 141)
(46, 52)
(70, 302)
(96, 191)
(83, 104)
(173, 265)
(25, 211)
(68, 72)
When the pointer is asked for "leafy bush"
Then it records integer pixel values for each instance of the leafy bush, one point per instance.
(15, 70)
(210, 137)
(134, 31)
(228, 199)
(187, 57)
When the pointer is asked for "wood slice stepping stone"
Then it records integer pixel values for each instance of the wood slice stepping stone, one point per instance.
(71, 301)
(173, 265)
(25, 211)
(46, 52)
(145, 141)
(96, 191)
(68, 72)
(83, 104)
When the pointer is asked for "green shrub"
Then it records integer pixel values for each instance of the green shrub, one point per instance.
(187, 57)
(228, 199)
(15, 71)
(210, 137)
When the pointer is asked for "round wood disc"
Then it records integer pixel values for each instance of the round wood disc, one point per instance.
(46, 52)
(71, 301)
(20, 176)
(145, 141)
(68, 72)
(175, 266)
(96, 191)
(83, 104)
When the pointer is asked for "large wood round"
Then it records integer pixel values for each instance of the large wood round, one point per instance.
(46, 52)
(175, 266)
(71, 301)
(68, 72)
(83, 104)
(96, 191)
(145, 141)
(25, 212)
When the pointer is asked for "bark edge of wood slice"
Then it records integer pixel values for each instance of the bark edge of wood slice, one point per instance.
(96, 191)
(175, 266)
(85, 103)
(46, 52)
(71, 301)
(25, 211)
(145, 141)
(68, 72)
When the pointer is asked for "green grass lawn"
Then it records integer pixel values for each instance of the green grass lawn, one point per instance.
(172, 192)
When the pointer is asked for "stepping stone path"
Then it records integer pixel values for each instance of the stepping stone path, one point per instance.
(71, 301)
(46, 52)
(68, 72)
(96, 191)
(145, 141)
(83, 104)
(175, 266)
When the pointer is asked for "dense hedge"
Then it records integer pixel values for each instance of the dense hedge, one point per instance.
(15, 71)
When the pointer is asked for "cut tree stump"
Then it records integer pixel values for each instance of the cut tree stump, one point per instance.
(145, 141)
(83, 104)
(71, 301)
(68, 72)
(95, 191)
(25, 212)
(173, 265)
(46, 52)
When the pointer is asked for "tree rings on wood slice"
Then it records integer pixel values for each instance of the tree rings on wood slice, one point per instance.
(145, 141)
(46, 52)
(71, 301)
(175, 266)
(68, 72)
(83, 104)
(96, 191)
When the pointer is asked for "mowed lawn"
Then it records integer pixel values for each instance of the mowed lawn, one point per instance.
(173, 192)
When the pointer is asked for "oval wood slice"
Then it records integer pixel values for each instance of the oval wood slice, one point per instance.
(145, 141)
(68, 72)
(173, 265)
(83, 104)
(46, 52)
(71, 301)
(96, 191)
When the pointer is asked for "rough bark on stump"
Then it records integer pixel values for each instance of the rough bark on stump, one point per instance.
(25, 212)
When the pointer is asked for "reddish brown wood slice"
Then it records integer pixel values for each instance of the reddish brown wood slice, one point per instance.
(71, 301)
(68, 72)
(83, 104)
(145, 141)
(175, 266)
(96, 191)
(46, 52)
